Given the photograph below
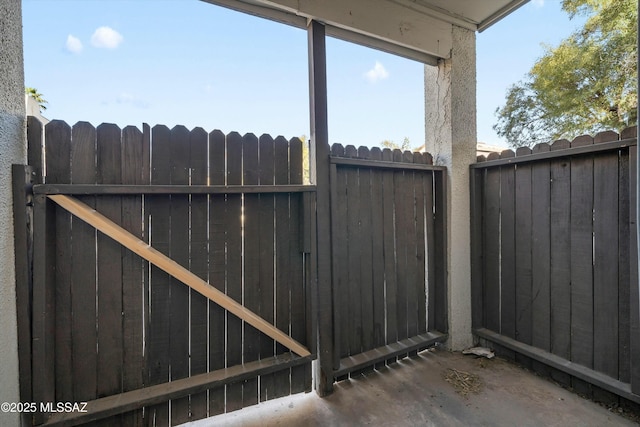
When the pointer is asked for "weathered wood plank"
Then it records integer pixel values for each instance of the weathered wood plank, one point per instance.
(267, 254)
(364, 236)
(582, 260)
(477, 303)
(390, 265)
(282, 386)
(353, 312)
(233, 223)
(252, 288)
(179, 250)
(421, 210)
(300, 375)
(135, 170)
(83, 310)
(339, 251)
(21, 180)
(412, 274)
(523, 251)
(44, 303)
(109, 260)
(217, 260)
(491, 250)
(560, 252)
(540, 251)
(605, 263)
(319, 171)
(508, 248)
(440, 221)
(158, 359)
(377, 256)
(113, 405)
(199, 265)
(633, 267)
(624, 285)
(402, 217)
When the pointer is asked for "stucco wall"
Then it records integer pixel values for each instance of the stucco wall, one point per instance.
(12, 150)
(450, 134)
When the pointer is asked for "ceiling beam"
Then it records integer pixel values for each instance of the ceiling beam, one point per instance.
(389, 26)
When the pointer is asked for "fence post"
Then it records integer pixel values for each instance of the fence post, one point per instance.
(319, 162)
(22, 223)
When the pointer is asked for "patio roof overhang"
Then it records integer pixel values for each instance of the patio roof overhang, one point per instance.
(416, 29)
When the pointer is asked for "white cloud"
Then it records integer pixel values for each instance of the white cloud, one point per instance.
(537, 3)
(73, 45)
(378, 72)
(129, 99)
(107, 38)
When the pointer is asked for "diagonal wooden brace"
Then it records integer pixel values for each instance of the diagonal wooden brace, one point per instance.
(131, 242)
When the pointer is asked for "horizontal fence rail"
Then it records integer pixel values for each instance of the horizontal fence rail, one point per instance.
(553, 260)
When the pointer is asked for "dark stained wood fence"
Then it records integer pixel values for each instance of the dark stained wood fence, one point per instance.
(388, 255)
(123, 323)
(555, 279)
(110, 329)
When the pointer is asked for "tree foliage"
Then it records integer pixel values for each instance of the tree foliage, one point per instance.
(33, 93)
(406, 144)
(585, 85)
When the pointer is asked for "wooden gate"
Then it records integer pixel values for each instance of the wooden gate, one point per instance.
(168, 275)
(388, 256)
(123, 220)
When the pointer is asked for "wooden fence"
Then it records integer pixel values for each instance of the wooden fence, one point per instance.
(167, 275)
(388, 255)
(555, 279)
(114, 330)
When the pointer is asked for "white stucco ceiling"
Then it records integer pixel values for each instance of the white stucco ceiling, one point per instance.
(417, 29)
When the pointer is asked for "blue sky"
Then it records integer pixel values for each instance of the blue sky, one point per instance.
(191, 63)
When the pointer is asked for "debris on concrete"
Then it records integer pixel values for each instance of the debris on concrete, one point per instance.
(480, 351)
(463, 382)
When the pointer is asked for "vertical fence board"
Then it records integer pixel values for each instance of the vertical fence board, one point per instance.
(624, 286)
(560, 262)
(431, 250)
(160, 304)
(581, 258)
(540, 250)
(217, 274)
(491, 250)
(412, 274)
(282, 245)
(388, 230)
(252, 287)
(364, 235)
(339, 254)
(441, 253)
(234, 264)
(135, 170)
(267, 254)
(179, 250)
(83, 270)
(353, 312)
(523, 251)
(420, 252)
(633, 267)
(199, 265)
(377, 247)
(109, 310)
(44, 303)
(300, 375)
(605, 268)
(508, 248)
(402, 216)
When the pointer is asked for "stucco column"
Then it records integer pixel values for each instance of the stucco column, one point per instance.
(450, 127)
(12, 150)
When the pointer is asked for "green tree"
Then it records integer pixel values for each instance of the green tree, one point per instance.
(585, 85)
(406, 144)
(33, 93)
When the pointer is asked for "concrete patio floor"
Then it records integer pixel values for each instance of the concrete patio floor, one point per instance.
(414, 392)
